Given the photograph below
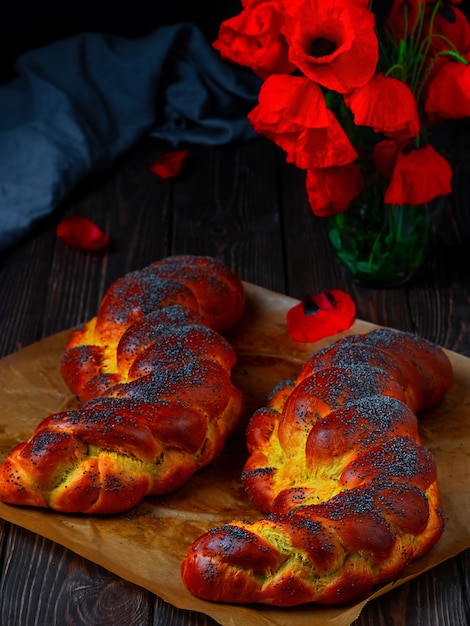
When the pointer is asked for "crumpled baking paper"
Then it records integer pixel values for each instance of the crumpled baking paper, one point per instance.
(146, 545)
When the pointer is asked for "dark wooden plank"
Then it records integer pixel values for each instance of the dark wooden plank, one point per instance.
(42, 583)
(167, 615)
(443, 302)
(24, 281)
(214, 211)
(433, 598)
(463, 579)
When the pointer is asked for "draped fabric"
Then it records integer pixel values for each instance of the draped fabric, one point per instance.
(79, 103)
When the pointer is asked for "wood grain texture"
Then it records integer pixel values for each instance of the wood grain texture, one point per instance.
(246, 206)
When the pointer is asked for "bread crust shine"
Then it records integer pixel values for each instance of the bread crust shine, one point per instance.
(153, 375)
(335, 462)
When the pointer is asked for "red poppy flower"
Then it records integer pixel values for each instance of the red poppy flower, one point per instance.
(321, 315)
(291, 111)
(333, 43)
(80, 232)
(169, 164)
(448, 92)
(419, 176)
(330, 190)
(384, 155)
(402, 17)
(254, 39)
(453, 30)
(387, 105)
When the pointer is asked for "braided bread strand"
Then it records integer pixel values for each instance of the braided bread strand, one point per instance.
(152, 372)
(336, 462)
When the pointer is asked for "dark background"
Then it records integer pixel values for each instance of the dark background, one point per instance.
(25, 25)
(28, 25)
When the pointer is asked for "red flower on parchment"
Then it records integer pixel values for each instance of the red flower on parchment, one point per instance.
(321, 315)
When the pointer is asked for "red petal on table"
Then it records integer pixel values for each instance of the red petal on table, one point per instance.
(80, 232)
(169, 164)
(321, 315)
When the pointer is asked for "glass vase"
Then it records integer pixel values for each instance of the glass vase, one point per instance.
(382, 245)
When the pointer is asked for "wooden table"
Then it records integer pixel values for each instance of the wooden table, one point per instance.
(244, 205)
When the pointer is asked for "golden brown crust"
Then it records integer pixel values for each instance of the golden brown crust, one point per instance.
(153, 373)
(336, 462)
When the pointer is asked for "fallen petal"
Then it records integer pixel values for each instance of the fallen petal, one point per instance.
(169, 164)
(80, 232)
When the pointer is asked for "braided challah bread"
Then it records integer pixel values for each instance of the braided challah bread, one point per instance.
(153, 374)
(336, 463)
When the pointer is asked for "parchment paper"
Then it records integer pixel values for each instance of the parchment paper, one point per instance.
(146, 545)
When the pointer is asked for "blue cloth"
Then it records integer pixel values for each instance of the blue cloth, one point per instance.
(79, 103)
